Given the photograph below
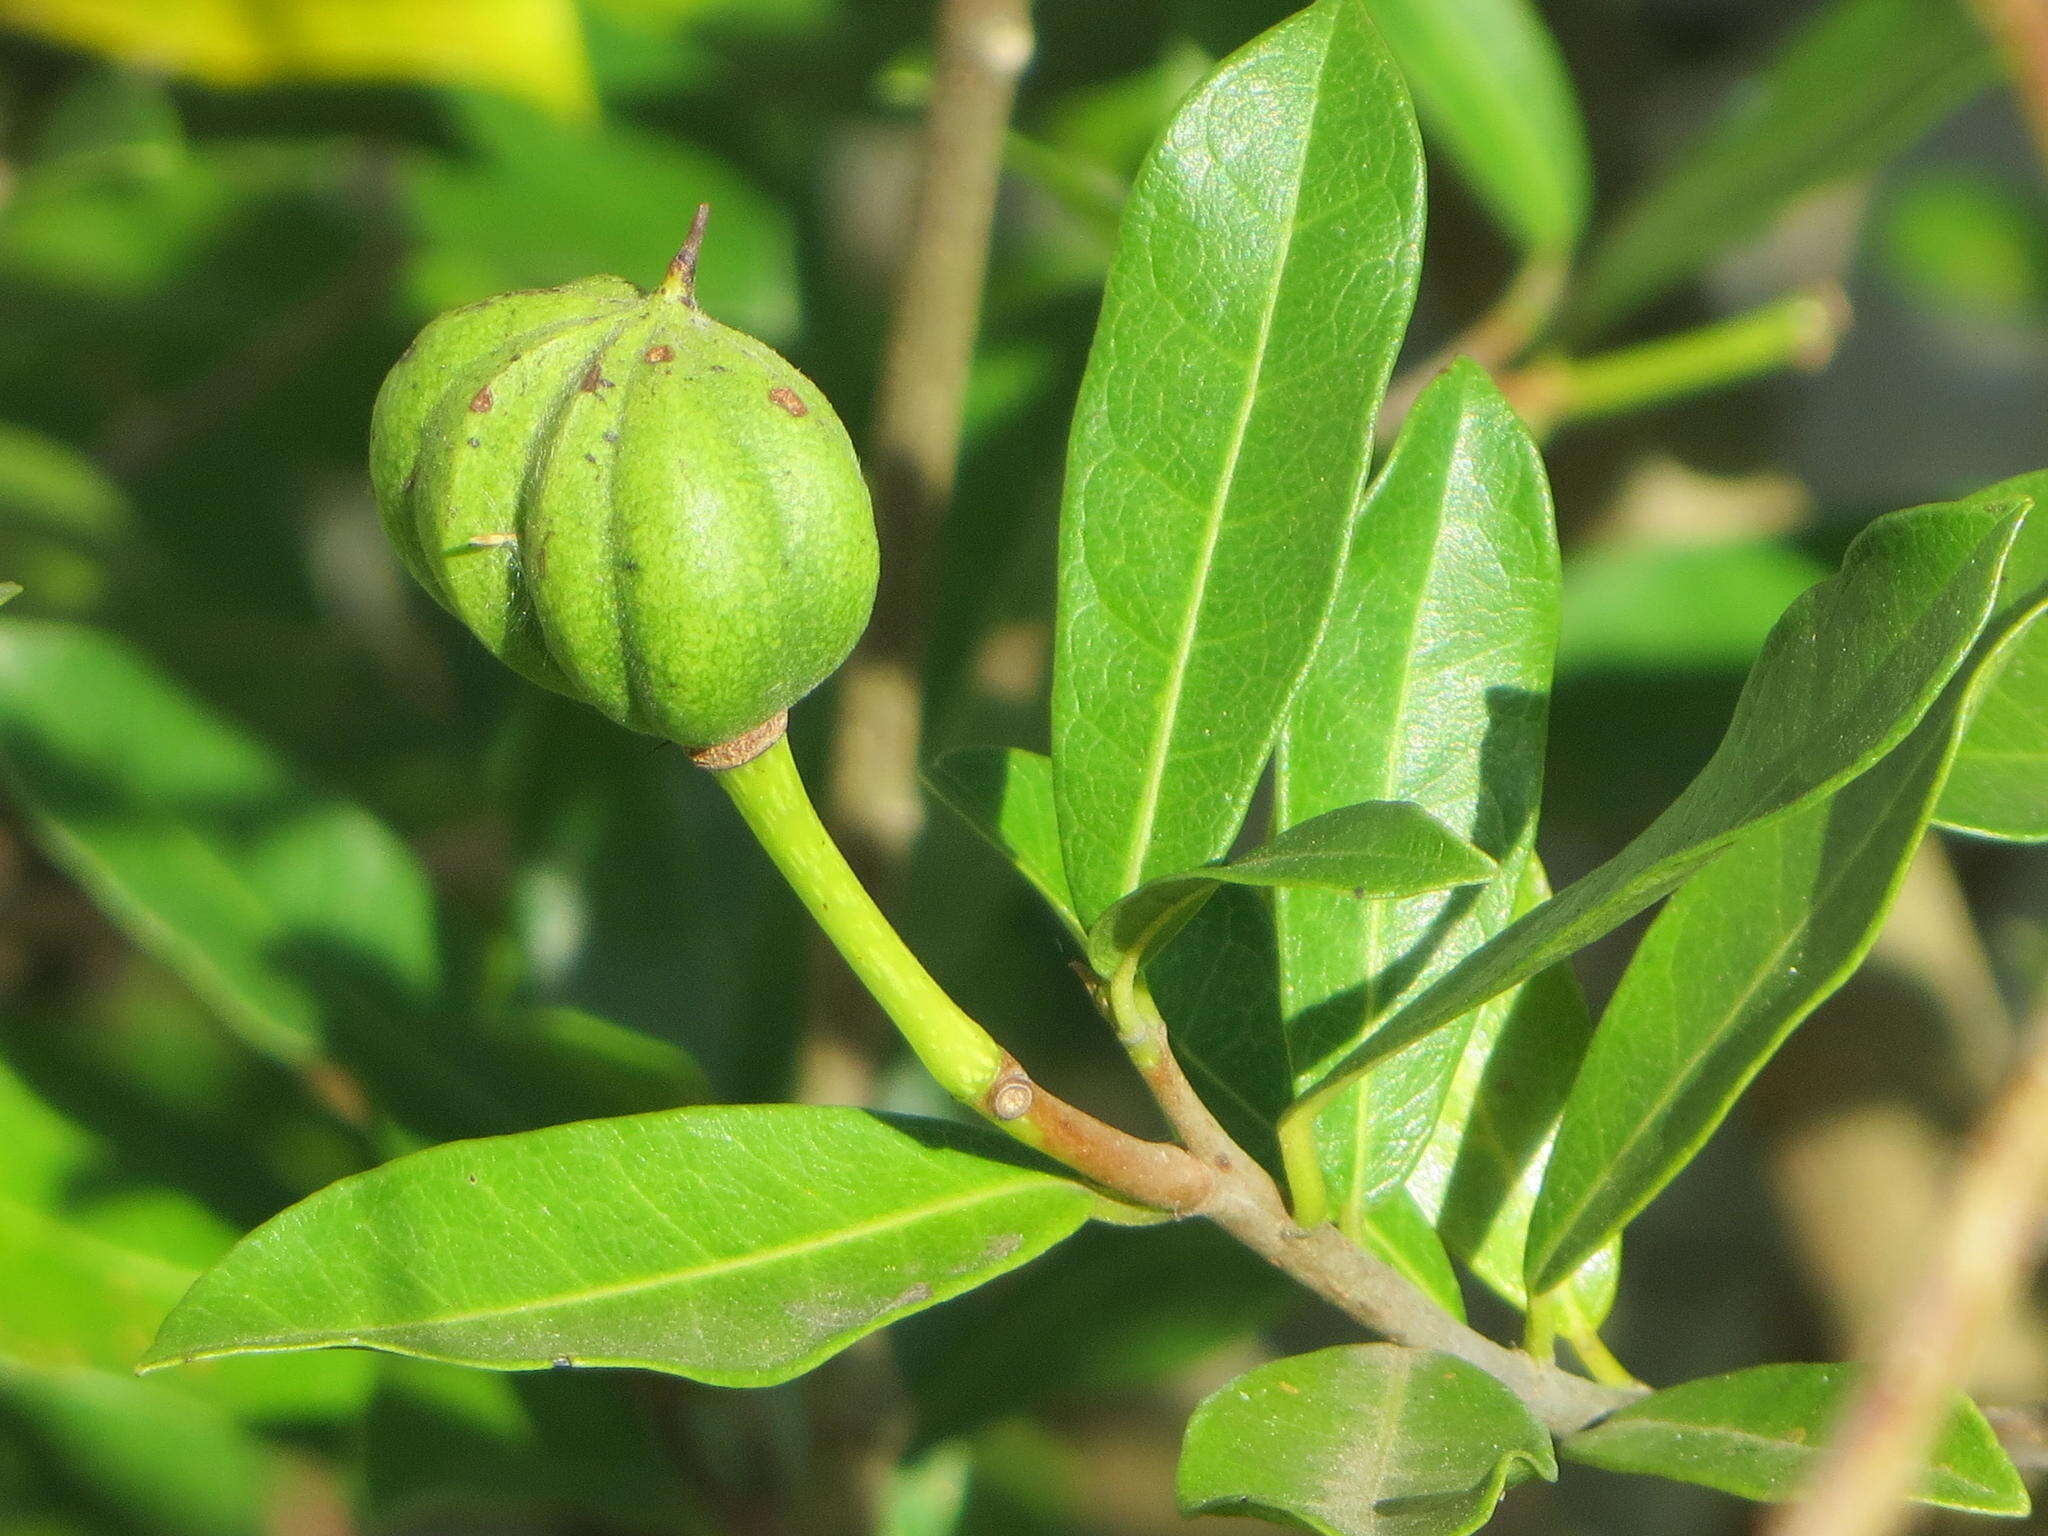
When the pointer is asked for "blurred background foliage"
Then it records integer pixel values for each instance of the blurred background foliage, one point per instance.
(221, 220)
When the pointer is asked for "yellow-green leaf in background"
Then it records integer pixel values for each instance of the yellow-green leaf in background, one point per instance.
(527, 48)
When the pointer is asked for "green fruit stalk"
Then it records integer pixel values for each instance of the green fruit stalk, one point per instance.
(629, 503)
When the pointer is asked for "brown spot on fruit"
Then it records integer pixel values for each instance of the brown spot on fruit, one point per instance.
(661, 353)
(789, 400)
(594, 380)
(482, 400)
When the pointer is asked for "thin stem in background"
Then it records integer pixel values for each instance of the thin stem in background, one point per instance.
(1979, 1261)
(2020, 28)
(1798, 331)
(873, 806)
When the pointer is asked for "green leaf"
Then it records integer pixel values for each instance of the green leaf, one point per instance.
(1757, 1433)
(1730, 968)
(1362, 1440)
(1359, 853)
(1005, 795)
(1265, 274)
(1998, 786)
(259, 892)
(735, 1245)
(1847, 673)
(1859, 82)
(1432, 684)
(1397, 1229)
(1480, 1173)
(1744, 953)
(1491, 85)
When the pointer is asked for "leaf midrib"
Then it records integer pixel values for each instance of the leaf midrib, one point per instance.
(1152, 785)
(618, 1288)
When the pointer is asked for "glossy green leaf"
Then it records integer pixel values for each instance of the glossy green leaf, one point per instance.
(1479, 1174)
(264, 895)
(1259, 293)
(1356, 853)
(1730, 968)
(1854, 85)
(1746, 951)
(1005, 795)
(1998, 786)
(1431, 684)
(1362, 1440)
(1759, 1432)
(735, 1245)
(1397, 1229)
(1847, 673)
(1491, 85)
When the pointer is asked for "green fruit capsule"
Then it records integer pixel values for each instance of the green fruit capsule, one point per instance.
(629, 503)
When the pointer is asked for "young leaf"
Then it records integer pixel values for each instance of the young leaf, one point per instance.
(1265, 274)
(1398, 1230)
(1005, 795)
(1480, 1173)
(260, 892)
(1431, 684)
(1490, 83)
(1998, 786)
(1757, 1433)
(1846, 674)
(1362, 1440)
(1359, 853)
(735, 1245)
(1856, 84)
(1746, 951)
(1731, 967)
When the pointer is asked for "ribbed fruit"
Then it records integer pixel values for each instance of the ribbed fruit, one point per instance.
(629, 503)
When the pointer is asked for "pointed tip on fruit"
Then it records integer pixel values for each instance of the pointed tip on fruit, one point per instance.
(681, 282)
